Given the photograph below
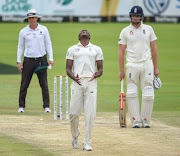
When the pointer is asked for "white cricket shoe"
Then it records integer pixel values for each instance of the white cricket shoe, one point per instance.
(146, 125)
(47, 110)
(21, 110)
(87, 147)
(136, 124)
(75, 142)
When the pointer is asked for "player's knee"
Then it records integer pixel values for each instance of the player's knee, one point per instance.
(148, 93)
(132, 90)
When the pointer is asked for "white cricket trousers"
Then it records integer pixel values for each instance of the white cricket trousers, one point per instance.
(84, 96)
(140, 74)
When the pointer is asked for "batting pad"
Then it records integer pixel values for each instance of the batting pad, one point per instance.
(147, 104)
(74, 124)
(133, 102)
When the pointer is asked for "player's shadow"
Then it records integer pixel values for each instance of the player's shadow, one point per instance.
(6, 69)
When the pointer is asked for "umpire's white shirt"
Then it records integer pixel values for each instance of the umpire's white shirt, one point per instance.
(84, 59)
(36, 42)
(137, 41)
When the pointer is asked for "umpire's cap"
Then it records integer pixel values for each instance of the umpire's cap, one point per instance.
(136, 10)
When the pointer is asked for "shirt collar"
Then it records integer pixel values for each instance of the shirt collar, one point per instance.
(135, 27)
(89, 45)
(37, 28)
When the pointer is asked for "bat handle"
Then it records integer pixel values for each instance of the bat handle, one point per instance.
(122, 88)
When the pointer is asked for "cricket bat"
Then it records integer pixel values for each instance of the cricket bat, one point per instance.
(122, 107)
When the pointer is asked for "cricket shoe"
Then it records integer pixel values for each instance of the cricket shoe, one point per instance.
(136, 124)
(146, 125)
(87, 147)
(75, 142)
(21, 110)
(47, 110)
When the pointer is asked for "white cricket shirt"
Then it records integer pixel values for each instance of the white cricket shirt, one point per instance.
(137, 41)
(36, 43)
(84, 59)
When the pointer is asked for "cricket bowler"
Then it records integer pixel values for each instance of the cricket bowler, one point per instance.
(82, 60)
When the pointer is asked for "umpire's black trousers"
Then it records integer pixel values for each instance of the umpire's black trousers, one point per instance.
(29, 65)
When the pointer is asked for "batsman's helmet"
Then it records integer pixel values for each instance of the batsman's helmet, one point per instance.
(136, 10)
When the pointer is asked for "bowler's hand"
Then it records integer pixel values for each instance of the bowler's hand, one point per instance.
(78, 80)
(93, 77)
(121, 75)
(20, 67)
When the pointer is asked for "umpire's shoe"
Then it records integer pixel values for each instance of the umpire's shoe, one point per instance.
(21, 110)
(47, 110)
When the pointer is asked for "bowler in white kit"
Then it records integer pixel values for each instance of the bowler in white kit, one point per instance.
(139, 42)
(82, 60)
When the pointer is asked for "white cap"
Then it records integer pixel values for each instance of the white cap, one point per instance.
(32, 13)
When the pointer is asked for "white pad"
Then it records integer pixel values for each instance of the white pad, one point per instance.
(74, 124)
(147, 104)
(133, 102)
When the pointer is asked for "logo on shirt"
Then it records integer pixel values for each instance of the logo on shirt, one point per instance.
(67, 53)
(90, 49)
(40, 32)
(77, 50)
(144, 31)
(131, 32)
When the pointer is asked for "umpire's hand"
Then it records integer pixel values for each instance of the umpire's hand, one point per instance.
(20, 67)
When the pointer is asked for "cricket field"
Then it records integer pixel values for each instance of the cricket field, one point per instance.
(35, 133)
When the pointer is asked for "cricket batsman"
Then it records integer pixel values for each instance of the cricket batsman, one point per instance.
(81, 62)
(139, 42)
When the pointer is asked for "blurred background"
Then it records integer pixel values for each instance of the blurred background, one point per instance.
(90, 10)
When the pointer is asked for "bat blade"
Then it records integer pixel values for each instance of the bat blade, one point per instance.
(122, 110)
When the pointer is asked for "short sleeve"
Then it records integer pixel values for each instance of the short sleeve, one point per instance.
(69, 54)
(99, 55)
(122, 38)
(152, 35)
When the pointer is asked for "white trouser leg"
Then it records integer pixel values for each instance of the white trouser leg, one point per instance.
(74, 124)
(147, 104)
(76, 107)
(90, 104)
(133, 102)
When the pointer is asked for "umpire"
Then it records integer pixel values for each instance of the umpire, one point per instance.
(36, 40)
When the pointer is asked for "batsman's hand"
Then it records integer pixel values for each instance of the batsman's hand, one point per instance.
(78, 80)
(20, 67)
(93, 77)
(121, 75)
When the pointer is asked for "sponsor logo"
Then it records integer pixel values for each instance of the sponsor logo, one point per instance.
(156, 7)
(63, 2)
(77, 50)
(28, 34)
(131, 32)
(16, 6)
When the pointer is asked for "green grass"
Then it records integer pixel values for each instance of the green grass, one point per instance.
(11, 146)
(105, 35)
